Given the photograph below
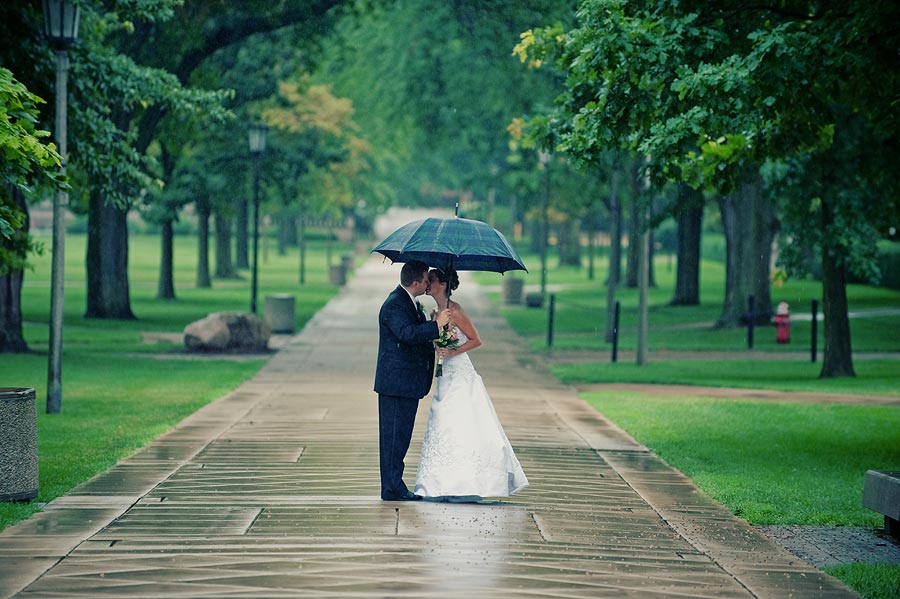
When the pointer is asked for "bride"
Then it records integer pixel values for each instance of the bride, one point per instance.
(465, 455)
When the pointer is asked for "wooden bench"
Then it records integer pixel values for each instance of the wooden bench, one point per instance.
(881, 493)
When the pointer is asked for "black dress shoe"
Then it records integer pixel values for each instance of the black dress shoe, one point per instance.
(407, 496)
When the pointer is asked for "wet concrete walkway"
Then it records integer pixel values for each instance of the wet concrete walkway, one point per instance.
(272, 492)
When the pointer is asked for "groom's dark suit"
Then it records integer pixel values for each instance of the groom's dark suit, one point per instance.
(402, 377)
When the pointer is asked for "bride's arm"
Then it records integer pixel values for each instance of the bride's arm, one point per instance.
(465, 324)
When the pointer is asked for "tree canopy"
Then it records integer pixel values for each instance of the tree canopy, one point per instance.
(713, 92)
(434, 87)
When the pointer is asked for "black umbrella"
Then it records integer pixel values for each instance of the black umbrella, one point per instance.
(457, 243)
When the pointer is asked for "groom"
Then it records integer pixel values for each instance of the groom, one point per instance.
(403, 374)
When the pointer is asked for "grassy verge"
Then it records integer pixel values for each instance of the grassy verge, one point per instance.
(770, 463)
(872, 581)
(127, 382)
(874, 377)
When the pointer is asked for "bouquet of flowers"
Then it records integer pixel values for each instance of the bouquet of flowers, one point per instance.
(449, 339)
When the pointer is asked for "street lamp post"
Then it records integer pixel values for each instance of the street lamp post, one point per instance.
(61, 28)
(257, 147)
(492, 194)
(544, 157)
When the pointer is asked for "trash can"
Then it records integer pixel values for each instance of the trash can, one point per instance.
(534, 300)
(512, 290)
(280, 312)
(337, 275)
(18, 444)
(347, 263)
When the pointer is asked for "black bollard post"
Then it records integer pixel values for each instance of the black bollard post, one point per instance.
(550, 320)
(751, 318)
(615, 351)
(814, 333)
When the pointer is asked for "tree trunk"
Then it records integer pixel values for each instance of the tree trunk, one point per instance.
(241, 235)
(203, 278)
(291, 233)
(838, 358)
(301, 243)
(568, 245)
(632, 258)
(615, 232)
(285, 224)
(750, 225)
(329, 245)
(224, 265)
(632, 262)
(12, 339)
(643, 287)
(690, 224)
(592, 238)
(615, 254)
(166, 288)
(107, 261)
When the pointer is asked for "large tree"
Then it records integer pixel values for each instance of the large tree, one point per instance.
(107, 89)
(700, 88)
(27, 160)
(195, 32)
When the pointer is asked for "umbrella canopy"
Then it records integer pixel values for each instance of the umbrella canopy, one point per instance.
(458, 243)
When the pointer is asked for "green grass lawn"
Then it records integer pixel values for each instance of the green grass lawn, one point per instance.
(123, 382)
(872, 581)
(874, 377)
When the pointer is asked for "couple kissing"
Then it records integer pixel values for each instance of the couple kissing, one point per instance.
(465, 454)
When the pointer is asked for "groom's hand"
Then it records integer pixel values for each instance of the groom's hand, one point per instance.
(443, 318)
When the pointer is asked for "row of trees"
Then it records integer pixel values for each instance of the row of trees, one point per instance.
(162, 92)
(781, 114)
(785, 113)
(160, 98)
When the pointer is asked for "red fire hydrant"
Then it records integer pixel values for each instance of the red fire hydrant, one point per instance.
(782, 323)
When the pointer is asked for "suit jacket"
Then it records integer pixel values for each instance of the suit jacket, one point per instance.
(405, 350)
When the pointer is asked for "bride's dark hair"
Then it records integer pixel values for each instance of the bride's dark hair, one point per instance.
(449, 276)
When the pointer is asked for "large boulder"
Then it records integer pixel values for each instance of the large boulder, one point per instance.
(228, 331)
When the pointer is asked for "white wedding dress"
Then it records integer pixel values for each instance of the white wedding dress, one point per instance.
(465, 455)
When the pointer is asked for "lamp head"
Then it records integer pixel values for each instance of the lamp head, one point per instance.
(258, 133)
(61, 19)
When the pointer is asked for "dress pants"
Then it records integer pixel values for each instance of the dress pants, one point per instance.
(396, 417)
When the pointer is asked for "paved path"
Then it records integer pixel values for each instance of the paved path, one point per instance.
(271, 492)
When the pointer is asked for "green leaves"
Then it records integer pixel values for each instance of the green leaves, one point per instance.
(26, 158)
(27, 154)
